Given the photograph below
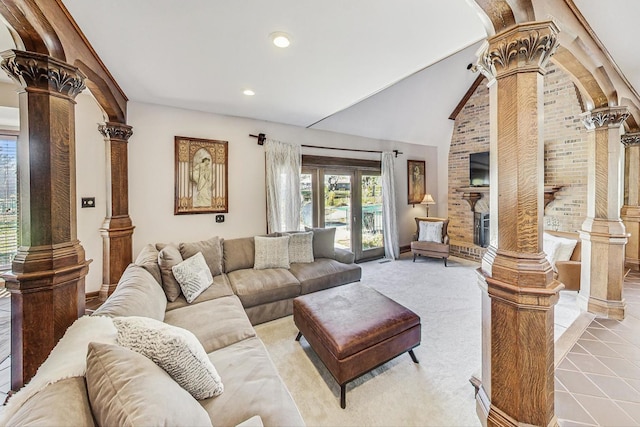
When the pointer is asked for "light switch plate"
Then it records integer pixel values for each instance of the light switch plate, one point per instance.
(88, 202)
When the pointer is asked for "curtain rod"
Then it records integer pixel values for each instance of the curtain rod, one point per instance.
(262, 137)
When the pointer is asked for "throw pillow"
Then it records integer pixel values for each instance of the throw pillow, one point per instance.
(167, 258)
(323, 242)
(300, 247)
(193, 275)
(430, 231)
(175, 350)
(137, 294)
(271, 252)
(550, 248)
(211, 250)
(148, 259)
(127, 389)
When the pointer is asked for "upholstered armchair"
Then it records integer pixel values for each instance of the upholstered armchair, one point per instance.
(431, 238)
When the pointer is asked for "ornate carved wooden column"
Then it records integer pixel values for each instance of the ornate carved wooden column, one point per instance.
(630, 212)
(519, 291)
(47, 277)
(603, 233)
(117, 229)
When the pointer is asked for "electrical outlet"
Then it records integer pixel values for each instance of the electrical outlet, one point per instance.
(219, 218)
(88, 202)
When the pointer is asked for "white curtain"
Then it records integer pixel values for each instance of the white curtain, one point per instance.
(391, 244)
(283, 163)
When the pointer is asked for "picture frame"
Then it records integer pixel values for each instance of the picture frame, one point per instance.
(201, 176)
(416, 180)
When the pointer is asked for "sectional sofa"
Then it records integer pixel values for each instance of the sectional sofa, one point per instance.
(110, 384)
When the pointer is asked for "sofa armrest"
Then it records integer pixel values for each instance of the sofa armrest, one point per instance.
(569, 274)
(345, 256)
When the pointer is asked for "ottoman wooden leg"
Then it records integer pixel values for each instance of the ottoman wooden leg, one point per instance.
(413, 356)
(343, 396)
(298, 336)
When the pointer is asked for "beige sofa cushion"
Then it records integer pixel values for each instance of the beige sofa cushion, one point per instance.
(137, 294)
(253, 386)
(324, 273)
(127, 389)
(148, 259)
(64, 403)
(216, 323)
(323, 242)
(211, 250)
(255, 287)
(238, 253)
(219, 288)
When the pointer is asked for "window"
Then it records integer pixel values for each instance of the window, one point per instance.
(8, 200)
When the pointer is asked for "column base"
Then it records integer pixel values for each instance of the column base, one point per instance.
(490, 415)
(117, 252)
(603, 308)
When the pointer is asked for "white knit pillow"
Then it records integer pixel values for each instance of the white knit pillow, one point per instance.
(430, 231)
(194, 276)
(175, 350)
(271, 252)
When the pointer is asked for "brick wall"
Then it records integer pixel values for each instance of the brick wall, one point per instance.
(565, 151)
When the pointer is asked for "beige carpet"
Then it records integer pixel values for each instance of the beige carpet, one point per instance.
(435, 392)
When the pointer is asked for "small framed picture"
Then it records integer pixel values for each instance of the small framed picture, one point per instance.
(416, 179)
(201, 176)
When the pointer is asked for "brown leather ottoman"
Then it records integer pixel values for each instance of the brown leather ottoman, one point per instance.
(355, 329)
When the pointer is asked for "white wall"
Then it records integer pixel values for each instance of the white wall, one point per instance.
(151, 172)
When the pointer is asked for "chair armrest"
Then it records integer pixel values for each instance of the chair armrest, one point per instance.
(345, 256)
(569, 274)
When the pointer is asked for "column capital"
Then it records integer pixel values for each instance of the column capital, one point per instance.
(35, 71)
(524, 48)
(611, 117)
(630, 139)
(113, 130)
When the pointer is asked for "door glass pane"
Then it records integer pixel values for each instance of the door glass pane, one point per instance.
(337, 207)
(8, 201)
(371, 212)
(306, 209)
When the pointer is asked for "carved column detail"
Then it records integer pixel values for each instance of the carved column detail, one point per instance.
(117, 229)
(630, 212)
(47, 277)
(603, 234)
(517, 384)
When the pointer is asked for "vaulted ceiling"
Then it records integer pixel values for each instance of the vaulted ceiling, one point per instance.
(376, 68)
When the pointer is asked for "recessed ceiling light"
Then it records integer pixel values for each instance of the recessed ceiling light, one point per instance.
(248, 92)
(280, 39)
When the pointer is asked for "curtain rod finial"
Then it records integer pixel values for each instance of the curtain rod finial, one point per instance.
(261, 138)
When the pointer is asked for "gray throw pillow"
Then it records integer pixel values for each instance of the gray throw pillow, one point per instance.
(127, 389)
(323, 242)
(167, 258)
(174, 349)
(300, 247)
(148, 259)
(211, 250)
(271, 252)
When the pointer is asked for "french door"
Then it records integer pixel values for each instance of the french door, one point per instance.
(348, 198)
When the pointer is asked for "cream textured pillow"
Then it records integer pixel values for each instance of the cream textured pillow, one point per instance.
(167, 258)
(430, 231)
(127, 389)
(300, 247)
(271, 252)
(175, 350)
(193, 275)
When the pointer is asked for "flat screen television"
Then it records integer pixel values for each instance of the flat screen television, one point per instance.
(479, 169)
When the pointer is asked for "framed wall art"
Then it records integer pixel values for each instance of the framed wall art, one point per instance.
(416, 179)
(201, 174)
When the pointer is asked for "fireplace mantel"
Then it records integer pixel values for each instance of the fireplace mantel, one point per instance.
(473, 194)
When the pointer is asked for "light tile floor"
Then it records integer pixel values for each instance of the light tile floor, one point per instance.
(598, 381)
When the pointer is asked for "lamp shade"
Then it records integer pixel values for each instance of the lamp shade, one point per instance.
(428, 200)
